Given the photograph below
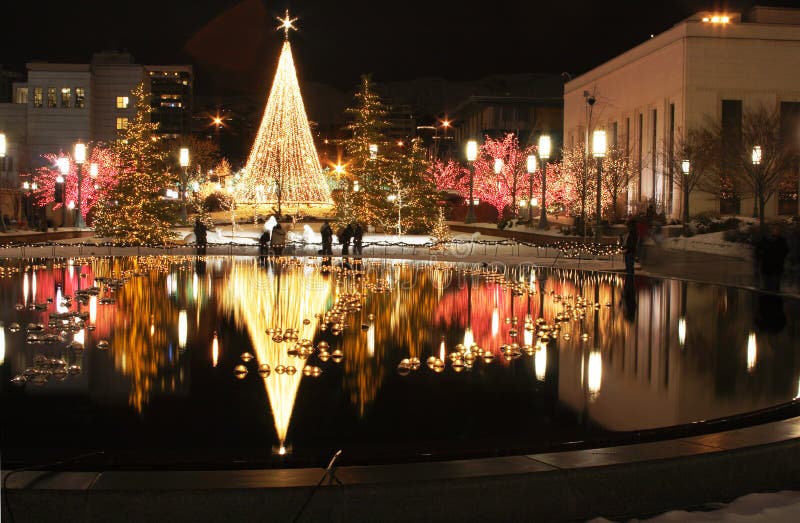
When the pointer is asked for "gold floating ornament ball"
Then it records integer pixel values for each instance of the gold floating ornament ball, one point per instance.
(76, 346)
(415, 363)
(488, 357)
(324, 355)
(246, 357)
(240, 371)
(323, 345)
(438, 366)
(306, 321)
(469, 358)
(458, 365)
(19, 306)
(280, 369)
(277, 338)
(102, 345)
(264, 370)
(74, 370)
(316, 372)
(337, 355)
(431, 362)
(307, 370)
(585, 337)
(291, 370)
(403, 369)
(371, 317)
(14, 327)
(454, 356)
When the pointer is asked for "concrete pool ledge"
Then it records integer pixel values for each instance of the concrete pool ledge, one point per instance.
(614, 482)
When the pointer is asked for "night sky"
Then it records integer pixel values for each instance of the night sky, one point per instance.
(234, 46)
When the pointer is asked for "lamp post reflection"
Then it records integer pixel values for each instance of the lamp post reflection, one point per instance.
(752, 351)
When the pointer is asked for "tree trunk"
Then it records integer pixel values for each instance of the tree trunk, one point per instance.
(761, 203)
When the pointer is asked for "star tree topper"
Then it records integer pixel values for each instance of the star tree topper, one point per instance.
(286, 24)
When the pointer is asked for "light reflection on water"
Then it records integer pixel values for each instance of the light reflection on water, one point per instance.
(642, 354)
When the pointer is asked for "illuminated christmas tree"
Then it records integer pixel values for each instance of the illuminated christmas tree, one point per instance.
(133, 211)
(283, 166)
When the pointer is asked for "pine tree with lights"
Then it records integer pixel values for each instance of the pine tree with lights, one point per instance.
(133, 211)
(283, 166)
(415, 190)
(441, 232)
(368, 156)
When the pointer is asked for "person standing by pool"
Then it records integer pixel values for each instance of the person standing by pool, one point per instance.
(327, 238)
(771, 252)
(344, 238)
(278, 239)
(200, 235)
(358, 236)
(631, 247)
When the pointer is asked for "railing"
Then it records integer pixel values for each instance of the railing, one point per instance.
(575, 250)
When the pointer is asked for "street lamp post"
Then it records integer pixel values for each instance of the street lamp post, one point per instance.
(545, 146)
(3, 169)
(184, 161)
(756, 158)
(80, 158)
(599, 152)
(399, 199)
(685, 170)
(63, 169)
(472, 155)
(531, 169)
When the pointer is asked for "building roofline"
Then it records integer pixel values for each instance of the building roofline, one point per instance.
(691, 27)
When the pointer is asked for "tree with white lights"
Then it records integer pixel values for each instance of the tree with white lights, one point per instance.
(283, 165)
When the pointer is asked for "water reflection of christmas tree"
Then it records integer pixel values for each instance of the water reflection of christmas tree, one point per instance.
(272, 297)
(140, 332)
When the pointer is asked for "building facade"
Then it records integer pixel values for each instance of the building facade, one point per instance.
(709, 66)
(61, 104)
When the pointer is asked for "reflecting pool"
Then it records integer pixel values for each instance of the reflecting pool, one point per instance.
(132, 362)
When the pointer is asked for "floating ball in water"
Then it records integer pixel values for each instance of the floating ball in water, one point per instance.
(415, 363)
(246, 357)
(240, 371)
(324, 355)
(280, 369)
(19, 380)
(264, 370)
(14, 327)
(323, 345)
(102, 345)
(74, 370)
(431, 361)
(438, 366)
(488, 357)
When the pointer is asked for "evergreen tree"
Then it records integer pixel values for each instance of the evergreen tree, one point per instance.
(133, 212)
(368, 158)
(414, 190)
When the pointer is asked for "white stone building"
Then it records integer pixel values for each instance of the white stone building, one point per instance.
(711, 65)
(61, 104)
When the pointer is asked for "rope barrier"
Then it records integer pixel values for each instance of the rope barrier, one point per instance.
(565, 249)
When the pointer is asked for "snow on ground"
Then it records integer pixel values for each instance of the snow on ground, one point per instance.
(711, 243)
(774, 507)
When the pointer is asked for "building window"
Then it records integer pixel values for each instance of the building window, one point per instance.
(21, 95)
(790, 181)
(37, 96)
(51, 97)
(122, 102)
(66, 97)
(730, 202)
(122, 123)
(80, 97)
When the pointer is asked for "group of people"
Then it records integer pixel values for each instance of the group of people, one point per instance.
(353, 231)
